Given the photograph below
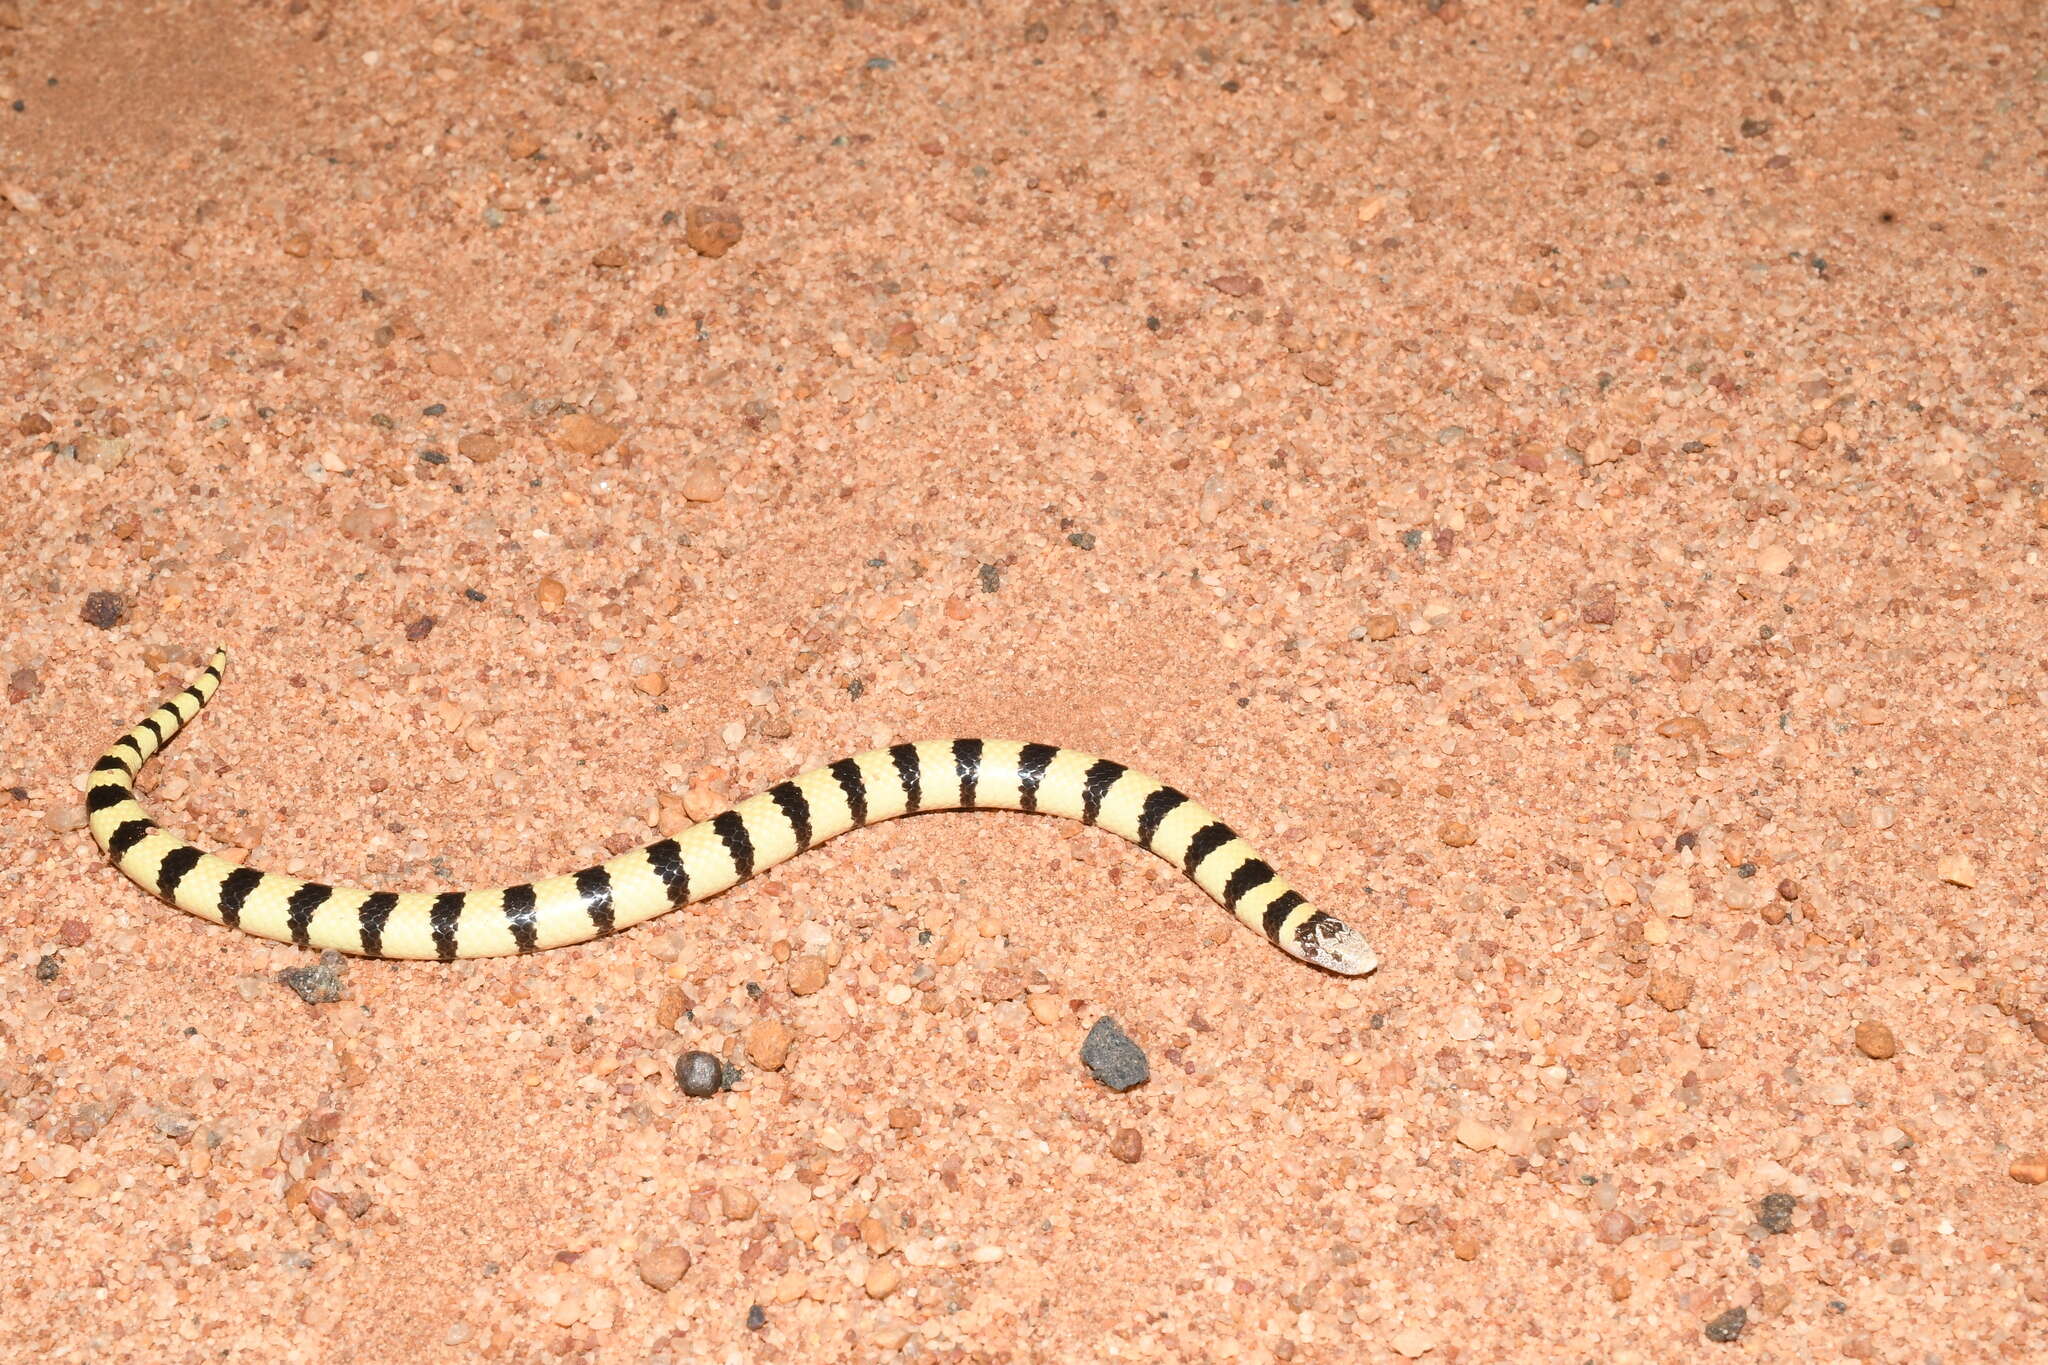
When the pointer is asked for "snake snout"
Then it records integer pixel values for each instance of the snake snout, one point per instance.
(1328, 942)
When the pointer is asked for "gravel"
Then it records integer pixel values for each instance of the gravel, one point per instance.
(1112, 1058)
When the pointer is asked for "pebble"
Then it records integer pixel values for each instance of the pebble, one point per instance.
(582, 434)
(768, 1044)
(736, 1204)
(104, 609)
(550, 594)
(1478, 1136)
(1728, 1326)
(1127, 1146)
(1381, 627)
(2031, 1169)
(1465, 1023)
(699, 1074)
(1957, 870)
(661, 1267)
(1774, 1212)
(1614, 1228)
(319, 983)
(479, 447)
(807, 974)
(1874, 1040)
(1457, 834)
(704, 483)
(1413, 1342)
(882, 1280)
(712, 229)
(21, 684)
(65, 818)
(1112, 1058)
(1672, 990)
(757, 1317)
(1671, 894)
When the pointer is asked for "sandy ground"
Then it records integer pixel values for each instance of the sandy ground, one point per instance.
(1565, 480)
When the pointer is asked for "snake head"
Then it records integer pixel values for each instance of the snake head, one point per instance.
(1328, 942)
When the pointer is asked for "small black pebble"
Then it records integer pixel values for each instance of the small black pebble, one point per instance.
(1728, 1326)
(991, 578)
(319, 984)
(753, 990)
(434, 456)
(1112, 1058)
(757, 1318)
(473, 594)
(1081, 540)
(1689, 839)
(1746, 870)
(1152, 324)
(1412, 539)
(729, 1076)
(47, 967)
(1775, 1212)
(433, 409)
(699, 1074)
(1837, 1306)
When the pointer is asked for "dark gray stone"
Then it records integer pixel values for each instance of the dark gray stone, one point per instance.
(319, 984)
(1775, 1212)
(1728, 1326)
(1112, 1058)
(700, 1074)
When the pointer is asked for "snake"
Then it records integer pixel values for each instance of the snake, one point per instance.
(701, 861)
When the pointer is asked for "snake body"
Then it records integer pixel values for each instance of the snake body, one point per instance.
(701, 861)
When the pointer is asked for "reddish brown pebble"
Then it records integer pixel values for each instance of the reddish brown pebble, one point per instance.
(21, 684)
(419, 629)
(1457, 834)
(1874, 1040)
(611, 258)
(1672, 990)
(479, 447)
(768, 1044)
(521, 145)
(711, 229)
(807, 974)
(661, 1267)
(1001, 985)
(1127, 1146)
(2031, 1169)
(1381, 627)
(550, 594)
(581, 434)
(1465, 1246)
(1318, 373)
(33, 424)
(73, 933)
(1788, 890)
(1614, 1227)
(672, 1005)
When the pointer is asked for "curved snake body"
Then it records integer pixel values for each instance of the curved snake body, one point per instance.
(701, 861)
